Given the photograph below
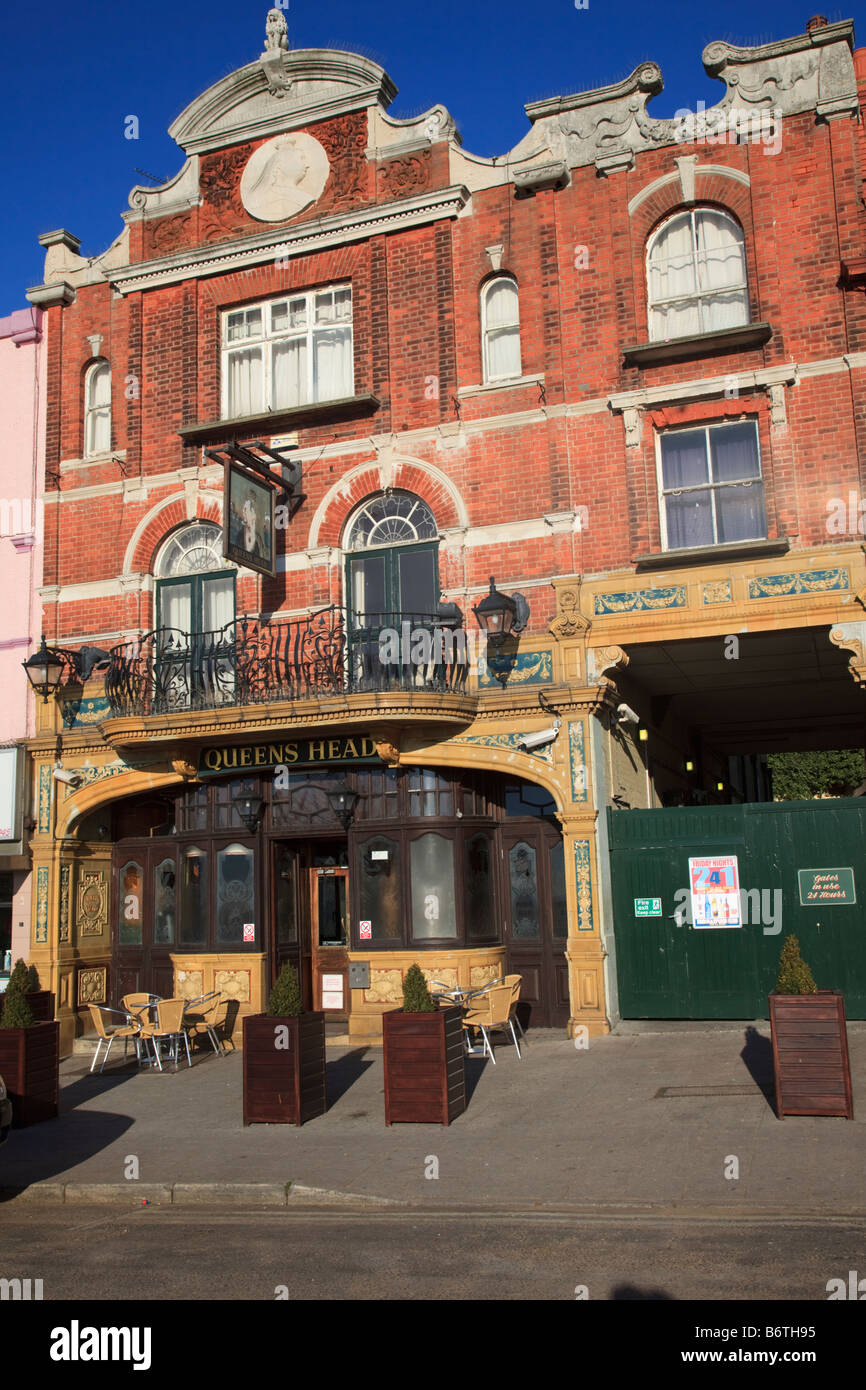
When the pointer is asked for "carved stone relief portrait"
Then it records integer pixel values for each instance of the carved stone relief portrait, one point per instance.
(283, 177)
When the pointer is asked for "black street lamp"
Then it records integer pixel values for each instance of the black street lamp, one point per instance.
(45, 670)
(498, 614)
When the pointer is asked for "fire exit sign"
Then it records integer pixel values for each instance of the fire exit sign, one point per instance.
(647, 907)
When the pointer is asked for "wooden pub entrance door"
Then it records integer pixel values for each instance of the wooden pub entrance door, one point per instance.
(144, 919)
(536, 921)
(310, 920)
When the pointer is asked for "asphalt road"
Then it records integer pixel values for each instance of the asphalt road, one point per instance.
(164, 1254)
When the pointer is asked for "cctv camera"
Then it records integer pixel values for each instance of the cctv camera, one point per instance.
(626, 715)
(539, 739)
(74, 779)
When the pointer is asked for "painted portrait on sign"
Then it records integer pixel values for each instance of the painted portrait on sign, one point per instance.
(248, 523)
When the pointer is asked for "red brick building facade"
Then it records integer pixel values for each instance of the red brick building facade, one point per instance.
(619, 368)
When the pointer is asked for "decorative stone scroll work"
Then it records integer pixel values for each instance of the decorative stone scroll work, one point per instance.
(600, 660)
(386, 987)
(851, 637)
(569, 621)
(92, 985)
(607, 126)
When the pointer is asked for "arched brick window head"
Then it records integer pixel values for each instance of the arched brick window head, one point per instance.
(392, 569)
(500, 329)
(97, 409)
(696, 275)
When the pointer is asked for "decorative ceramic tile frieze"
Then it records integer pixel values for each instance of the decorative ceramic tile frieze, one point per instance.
(577, 758)
(583, 880)
(42, 906)
(799, 582)
(719, 591)
(65, 881)
(234, 984)
(518, 668)
(640, 600)
(44, 808)
(84, 713)
(507, 741)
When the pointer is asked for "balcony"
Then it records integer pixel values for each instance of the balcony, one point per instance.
(330, 653)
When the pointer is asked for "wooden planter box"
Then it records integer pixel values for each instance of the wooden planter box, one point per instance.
(30, 1066)
(41, 1005)
(284, 1085)
(810, 1054)
(425, 1069)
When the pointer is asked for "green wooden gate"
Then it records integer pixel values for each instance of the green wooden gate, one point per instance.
(666, 970)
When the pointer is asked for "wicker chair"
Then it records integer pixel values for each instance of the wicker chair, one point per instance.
(130, 1028)
(201, 1016)
(494, 1010)
(168, 1026)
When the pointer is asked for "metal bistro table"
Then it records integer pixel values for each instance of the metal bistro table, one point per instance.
(461, 997)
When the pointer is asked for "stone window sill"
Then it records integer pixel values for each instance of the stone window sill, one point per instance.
(536, 379)
(276, 421)
(711, 554)
(747, 335)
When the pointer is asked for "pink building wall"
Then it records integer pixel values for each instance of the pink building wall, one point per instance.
(22, 453)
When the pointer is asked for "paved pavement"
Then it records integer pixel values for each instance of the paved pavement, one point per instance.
(657, 1115)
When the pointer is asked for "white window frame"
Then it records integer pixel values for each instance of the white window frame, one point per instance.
(486, 332)
(709, 485)
(268, 338)
(699, 297)
(92, 412)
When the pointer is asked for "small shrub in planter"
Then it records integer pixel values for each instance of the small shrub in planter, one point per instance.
(29, 1058)
(26, 979)
(425, 1069)
(810, 1042)
(284, 1058)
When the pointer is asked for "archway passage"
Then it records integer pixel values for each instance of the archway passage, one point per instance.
(437, 863)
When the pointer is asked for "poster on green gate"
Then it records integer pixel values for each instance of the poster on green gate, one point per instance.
(714, 884)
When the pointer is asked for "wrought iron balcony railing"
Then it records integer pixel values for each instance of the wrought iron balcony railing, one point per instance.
(251, 662)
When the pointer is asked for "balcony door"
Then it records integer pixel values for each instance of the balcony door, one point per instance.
(392, 575)
(195, 612)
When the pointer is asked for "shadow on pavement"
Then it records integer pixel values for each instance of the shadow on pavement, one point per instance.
(41, 1152)
(757, 1054)
(342, 1073)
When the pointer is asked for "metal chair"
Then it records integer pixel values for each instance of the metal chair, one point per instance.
(130, 1028)
(494, 1011)
(168, 1028)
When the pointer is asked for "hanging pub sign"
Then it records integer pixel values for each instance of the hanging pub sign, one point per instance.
(714, 884)
(248, 527)
(252, 488)
(292, 754)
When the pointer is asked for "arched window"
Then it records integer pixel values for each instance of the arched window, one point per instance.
(500, 329)
(97, 409)
(392, 564)
(696, 275)
(195, 614)
(195, 589)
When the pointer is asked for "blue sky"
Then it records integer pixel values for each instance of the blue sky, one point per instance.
(74, 72)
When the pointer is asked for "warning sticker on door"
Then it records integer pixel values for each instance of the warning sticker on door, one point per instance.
(249, 931)
(714, 885)
(366, 931)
